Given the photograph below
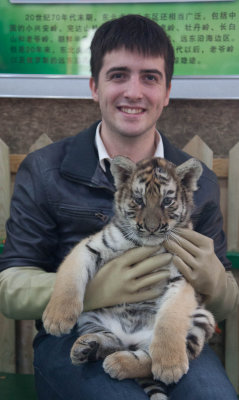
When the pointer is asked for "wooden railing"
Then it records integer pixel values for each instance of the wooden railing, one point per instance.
(16, 336)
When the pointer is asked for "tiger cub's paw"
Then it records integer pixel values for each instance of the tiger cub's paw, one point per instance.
(118, 365)
(168, 365)
(85, 349)
(128, 364)
(59, 317)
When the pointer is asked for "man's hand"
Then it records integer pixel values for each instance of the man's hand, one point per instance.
(196, 260)
(128, 279)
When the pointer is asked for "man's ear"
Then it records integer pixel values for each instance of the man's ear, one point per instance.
(168, 90)
(94, 89)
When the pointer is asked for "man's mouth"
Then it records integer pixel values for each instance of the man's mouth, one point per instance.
(132, 110)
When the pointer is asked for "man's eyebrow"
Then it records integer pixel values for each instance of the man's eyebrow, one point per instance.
(152, 71)
(117, 69)
(126, 69)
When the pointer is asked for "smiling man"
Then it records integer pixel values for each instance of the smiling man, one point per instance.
(65, 191)
(131, 90)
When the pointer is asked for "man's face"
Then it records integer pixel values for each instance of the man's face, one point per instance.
(131, 92)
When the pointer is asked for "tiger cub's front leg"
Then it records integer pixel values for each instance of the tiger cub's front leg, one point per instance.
(168, 347)
(66, 303)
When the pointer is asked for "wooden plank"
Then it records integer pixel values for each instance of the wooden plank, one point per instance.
(232, 344)
(223, 201)
(42, 141)
(4, 185)
(220, 165)
(7, 345)
(232, 322)
(15, 161)
(233, 200)
(7, 331)
(199, 149)
(25, 332)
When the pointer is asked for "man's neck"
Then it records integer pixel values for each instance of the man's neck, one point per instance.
(136, 148)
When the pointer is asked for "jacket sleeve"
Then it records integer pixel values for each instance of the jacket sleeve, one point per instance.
(27, 263)
(223, 305)
(31, 229)
(25, 292)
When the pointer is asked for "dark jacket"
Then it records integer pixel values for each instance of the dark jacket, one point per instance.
(62, 195)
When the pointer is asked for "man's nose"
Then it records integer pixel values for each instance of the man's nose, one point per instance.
(133, 88)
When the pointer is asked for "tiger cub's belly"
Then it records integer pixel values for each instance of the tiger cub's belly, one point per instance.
(131, 323)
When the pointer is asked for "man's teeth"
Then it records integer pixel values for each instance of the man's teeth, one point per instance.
(131, 110)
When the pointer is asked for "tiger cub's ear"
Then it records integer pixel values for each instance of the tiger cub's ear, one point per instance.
(121, 169)
(189, 173)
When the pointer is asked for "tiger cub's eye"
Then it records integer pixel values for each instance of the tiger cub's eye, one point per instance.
(167, 201)
(139, 200)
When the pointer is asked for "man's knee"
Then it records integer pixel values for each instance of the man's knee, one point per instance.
(206, 379)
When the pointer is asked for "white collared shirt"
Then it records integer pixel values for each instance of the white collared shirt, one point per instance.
(103, 154)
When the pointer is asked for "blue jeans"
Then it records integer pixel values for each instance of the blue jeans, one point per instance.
(57, 379)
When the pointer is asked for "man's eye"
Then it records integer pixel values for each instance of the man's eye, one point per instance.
(151, 78)
(167, 201)
(117, 76)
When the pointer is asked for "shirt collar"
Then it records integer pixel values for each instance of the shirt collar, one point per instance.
(103, 154)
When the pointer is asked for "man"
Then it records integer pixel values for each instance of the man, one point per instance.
(64, 192)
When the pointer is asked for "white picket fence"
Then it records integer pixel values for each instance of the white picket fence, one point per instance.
(16, 336)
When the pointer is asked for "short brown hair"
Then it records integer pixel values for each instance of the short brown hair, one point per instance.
(134, 33)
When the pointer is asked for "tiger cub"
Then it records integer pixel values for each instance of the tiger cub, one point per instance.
(155, 338)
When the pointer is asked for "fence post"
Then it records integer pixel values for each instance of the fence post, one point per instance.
(196, 147)
(42, 141)
(233, 200)
(4, 186)
(7, 331)
(232, 322)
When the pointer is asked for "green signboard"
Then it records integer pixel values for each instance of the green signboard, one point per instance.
(43, 37)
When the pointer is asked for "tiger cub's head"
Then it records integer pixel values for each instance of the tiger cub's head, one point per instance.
(153, 197)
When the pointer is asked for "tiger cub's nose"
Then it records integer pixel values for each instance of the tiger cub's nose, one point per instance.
(155, 226)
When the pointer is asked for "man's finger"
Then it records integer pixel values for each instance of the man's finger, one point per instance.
(194, 237)
(152, 280)
(135, 255)
(151, 264)
(183, 268)
(181, 247)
